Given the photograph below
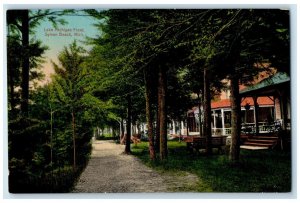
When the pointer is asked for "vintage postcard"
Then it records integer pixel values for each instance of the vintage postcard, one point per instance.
(189, 101)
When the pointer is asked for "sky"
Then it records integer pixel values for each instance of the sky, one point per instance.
(79, 27)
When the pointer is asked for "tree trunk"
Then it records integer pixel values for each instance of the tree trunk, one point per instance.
(113, 131)
(128, 125)
(149, 117)
(283, 109)
(51, 137)
(180, 128)
(200, 122)
(256, 115)
(162, 86)
(122, 130)
(207, 111)
(235, 119)
(11, 89)
(25, 63)
(157, 133)
(74, 141)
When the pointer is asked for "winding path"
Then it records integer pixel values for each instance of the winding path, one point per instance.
(111, 171)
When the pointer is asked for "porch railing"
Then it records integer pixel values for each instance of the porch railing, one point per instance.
(221, 131)
(264, 127)
(248, 128)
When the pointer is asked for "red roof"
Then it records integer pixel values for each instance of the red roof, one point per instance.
(220, 104)
(262, 101)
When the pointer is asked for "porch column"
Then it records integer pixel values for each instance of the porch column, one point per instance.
(173, 125)
(145, 127)
(200, 122)
(223, 121)
(215, 121)
(283, 109)
(187, 126)
(125, 129)
(182, 127)
(256, 114)
(196, 124)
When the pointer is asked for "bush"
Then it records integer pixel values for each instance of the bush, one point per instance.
(59, 181)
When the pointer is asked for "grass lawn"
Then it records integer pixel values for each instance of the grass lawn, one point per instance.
(259, 171)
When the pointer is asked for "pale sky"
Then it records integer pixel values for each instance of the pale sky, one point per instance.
(79, 27)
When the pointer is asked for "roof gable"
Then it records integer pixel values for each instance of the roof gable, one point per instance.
(276, 79)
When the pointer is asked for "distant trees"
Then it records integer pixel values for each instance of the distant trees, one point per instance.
(118, 78)
(121, 75)
(143, 44)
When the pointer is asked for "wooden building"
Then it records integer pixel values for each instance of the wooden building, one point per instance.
(261, 105)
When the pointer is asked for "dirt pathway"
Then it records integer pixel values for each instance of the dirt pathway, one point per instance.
(111, 171)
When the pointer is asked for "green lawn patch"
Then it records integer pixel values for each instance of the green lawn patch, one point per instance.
(258, 171)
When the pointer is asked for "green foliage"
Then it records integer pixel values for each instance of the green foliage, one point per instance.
(18, 52)
(40, 148)
(258, 171)
(36, 51)
(60, 180)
